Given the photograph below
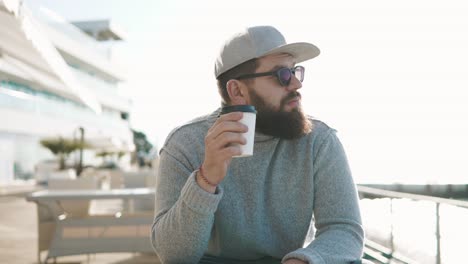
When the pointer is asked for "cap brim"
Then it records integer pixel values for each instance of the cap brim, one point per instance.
(301, 51)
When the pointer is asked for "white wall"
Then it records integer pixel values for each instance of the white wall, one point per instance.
(6, 161)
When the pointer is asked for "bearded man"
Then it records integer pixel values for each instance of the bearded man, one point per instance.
(213, 208)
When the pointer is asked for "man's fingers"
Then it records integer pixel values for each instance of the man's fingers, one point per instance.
(227, 126)
(229, 138)
(222, 142)
(234, 116)
(231, 151)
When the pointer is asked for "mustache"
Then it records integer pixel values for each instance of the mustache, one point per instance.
(290, 96)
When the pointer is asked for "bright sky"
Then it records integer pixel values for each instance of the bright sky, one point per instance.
(391, 77)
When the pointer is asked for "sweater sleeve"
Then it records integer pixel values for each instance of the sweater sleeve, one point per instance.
(339, 234)
(184, 213)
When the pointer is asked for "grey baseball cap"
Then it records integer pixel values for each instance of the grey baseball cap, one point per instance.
(256, 42)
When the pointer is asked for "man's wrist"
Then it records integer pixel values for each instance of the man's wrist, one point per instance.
(203, 177)
(203, 184)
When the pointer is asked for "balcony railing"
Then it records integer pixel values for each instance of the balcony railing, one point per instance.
(424, 221)
(40, 105)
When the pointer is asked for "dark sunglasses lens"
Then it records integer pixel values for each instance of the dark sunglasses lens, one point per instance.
(299, 73)
(284, 76)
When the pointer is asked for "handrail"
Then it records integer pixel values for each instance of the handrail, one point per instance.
(383, 254)
(369, 192)
(375, 192)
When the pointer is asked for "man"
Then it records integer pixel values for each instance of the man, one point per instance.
(215, 209)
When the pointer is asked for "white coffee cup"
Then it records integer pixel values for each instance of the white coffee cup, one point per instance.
(248, 119)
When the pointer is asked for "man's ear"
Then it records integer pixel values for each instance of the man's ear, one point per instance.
(237, 92)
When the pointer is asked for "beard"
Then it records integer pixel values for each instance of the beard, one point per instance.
(280, 123)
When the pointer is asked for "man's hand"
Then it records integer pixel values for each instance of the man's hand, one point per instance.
(219, 149)
(295, 261)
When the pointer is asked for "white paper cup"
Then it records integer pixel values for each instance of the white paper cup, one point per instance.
(248, 119)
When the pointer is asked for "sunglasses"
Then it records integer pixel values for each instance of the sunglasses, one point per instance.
(283, 75)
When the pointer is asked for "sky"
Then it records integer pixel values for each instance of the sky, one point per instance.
(391, 77)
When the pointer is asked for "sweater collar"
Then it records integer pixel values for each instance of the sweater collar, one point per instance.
(260, 137)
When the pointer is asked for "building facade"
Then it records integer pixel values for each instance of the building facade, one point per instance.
(57, 80)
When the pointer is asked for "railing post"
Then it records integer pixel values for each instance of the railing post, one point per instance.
(392, 243)
(439, 259)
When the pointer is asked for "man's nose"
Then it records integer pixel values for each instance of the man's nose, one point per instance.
(295, 84)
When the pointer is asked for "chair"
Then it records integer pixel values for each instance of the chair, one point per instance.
(62, 233)
(74, 208)
(47, 212)
(116, 180)
(140, 179)
(100, 234)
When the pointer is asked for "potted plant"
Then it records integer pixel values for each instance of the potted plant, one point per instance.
(110, 159)
(62, 147)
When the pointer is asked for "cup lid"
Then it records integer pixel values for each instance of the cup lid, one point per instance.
(238, 108)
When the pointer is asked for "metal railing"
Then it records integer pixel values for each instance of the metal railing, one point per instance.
(383, 254)
(380, 254)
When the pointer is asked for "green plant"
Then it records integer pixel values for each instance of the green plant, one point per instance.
(104, 154)
(142, 147)
(62, 147)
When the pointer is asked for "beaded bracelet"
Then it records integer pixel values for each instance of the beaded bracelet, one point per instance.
(204, 178)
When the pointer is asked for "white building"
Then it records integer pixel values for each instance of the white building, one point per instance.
(56, 77)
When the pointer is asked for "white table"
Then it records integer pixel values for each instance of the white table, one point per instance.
(47, 195)
(64, 234)
(76, 195)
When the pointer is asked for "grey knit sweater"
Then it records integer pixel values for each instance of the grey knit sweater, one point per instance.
(262, 211)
